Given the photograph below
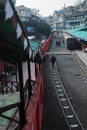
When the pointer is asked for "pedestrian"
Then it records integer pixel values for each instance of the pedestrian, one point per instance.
(58, 43)
(53, 59)
(83, 47)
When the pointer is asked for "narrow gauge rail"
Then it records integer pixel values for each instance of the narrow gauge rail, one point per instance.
(68, 111)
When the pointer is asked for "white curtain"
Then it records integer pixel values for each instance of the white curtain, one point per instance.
(32, 68)
(30, 52)
(18, 31)
(8, 10)
(25, 43)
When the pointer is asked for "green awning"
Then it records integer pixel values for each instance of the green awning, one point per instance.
(77, 29)
(80, 33)
(34, 45)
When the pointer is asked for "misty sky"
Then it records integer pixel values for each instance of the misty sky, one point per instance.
(46, 7)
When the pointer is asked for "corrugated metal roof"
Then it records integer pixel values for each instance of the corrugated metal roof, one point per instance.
(80, 33)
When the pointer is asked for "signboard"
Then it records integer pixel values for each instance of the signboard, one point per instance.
(30, 29)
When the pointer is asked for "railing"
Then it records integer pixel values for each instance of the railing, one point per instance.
(13, 119)
(8, 86)
(27, 93)
(11, 88)
(46, 45)
(34, 93)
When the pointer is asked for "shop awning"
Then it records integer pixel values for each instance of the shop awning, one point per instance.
(38, 58)
(80, 33)
(34, 45)
(75, 30)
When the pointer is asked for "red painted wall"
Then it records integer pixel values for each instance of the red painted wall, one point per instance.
(46, 45)
(35, 108)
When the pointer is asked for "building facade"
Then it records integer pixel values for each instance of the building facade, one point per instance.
(24, 13)
(75, 21)
(14, 2)
(58, 20)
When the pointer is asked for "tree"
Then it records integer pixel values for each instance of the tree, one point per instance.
(35, 12)
(40, 26)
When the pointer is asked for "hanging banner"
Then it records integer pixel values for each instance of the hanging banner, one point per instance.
(30, 53)
(25, 72)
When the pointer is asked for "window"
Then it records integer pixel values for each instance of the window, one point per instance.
(21, 11)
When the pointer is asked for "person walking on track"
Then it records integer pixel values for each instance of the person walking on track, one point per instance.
(53, 59)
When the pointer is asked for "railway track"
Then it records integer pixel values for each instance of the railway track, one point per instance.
(66, 106)
(83, 68)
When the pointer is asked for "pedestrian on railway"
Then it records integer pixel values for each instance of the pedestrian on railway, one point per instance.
(53, 60)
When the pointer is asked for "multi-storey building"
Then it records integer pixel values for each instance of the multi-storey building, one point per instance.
(58, 20)
(70, 17)
(75, 21)
(24, 13)
(78, 17)
(14, 2)
(51, 21)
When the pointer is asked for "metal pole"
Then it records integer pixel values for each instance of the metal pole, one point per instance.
(22, 104)
(30, 86)
(16, 72)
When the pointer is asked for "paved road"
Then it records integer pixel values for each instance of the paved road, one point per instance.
(75, 86)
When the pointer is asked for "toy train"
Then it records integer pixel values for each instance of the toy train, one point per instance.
(71, 42)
